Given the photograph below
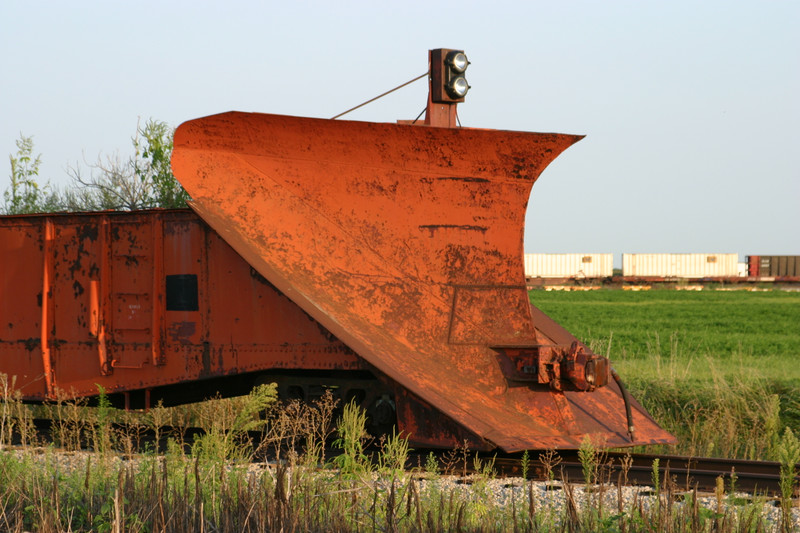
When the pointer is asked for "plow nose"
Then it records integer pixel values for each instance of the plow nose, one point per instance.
(405, 242)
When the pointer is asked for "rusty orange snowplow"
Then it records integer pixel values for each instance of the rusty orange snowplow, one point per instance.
(379, 262)
(405, 242)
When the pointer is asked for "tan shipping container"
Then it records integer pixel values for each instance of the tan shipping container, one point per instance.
(680, 265)
(568, 265)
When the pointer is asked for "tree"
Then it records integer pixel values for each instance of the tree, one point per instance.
(152, 164)
(143, 181)
(111, 185)
(25, 195)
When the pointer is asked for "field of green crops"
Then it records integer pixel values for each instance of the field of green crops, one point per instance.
(718, 368)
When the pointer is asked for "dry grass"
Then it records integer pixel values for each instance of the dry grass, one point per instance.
(217, 487)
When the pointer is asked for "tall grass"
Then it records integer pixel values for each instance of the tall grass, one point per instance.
(717, 369)
(715, 408)
(219, 487)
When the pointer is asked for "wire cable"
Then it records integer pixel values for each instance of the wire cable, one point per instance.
(627, 401)
(380, 96)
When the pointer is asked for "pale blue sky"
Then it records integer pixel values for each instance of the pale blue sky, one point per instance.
(691, 109)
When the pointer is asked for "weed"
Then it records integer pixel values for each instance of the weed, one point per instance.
(229, 422)
(317, 426)
(393, 455)
(156, 418)
(432, 465)
(352, 462)
(625, 466)
(788, 450)
(550, 460)
(588, 457)
(484, 468)
(101, 429)
(6, 409)
(22, 420)
(654, 478)
(71, 421)
(464, 450)
(525, 464)
(449, 461)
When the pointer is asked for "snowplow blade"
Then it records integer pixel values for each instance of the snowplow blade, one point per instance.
(405, 242)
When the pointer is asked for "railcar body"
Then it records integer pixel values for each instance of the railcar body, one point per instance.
(774, 267)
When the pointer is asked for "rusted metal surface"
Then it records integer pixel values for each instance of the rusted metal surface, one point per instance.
(133, 301)
(406, 243)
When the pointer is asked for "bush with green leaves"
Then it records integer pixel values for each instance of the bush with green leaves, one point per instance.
(229, 422)
(141, 181)
(352, 435)
(25, 194)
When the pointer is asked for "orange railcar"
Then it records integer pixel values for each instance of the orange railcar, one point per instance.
(125, 300)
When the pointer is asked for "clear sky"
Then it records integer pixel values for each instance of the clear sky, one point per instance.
(691, 110)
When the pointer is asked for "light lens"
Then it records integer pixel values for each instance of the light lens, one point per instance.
(458, 87)
(458, 61)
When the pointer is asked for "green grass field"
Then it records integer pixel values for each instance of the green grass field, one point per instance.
(719, 323)
(718, 368)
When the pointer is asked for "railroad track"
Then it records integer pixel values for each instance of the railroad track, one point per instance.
(688, 473)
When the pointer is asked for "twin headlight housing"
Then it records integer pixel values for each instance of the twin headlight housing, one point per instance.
(448, 83)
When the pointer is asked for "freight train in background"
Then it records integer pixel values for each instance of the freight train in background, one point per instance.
(379, 261)
(550, 269)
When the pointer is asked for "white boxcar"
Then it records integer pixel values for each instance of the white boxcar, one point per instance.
(742, 270)
(680, 265)
(569, 265)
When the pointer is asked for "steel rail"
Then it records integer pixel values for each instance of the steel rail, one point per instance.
(615, 467)
(689, 473)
